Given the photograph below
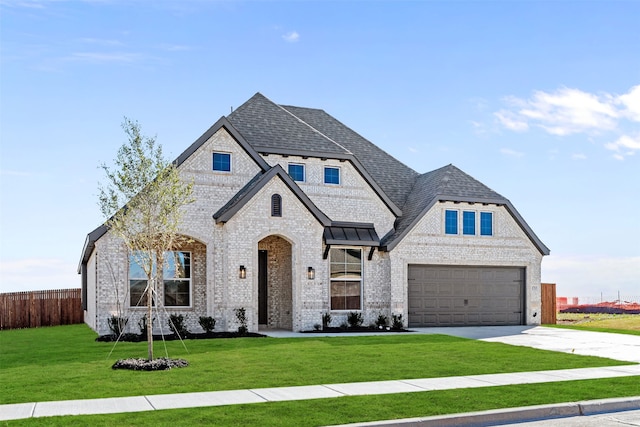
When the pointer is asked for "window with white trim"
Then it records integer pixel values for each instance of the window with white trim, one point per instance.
(222, 162)
(346, 278)
(469, 223)
(331, 175)
(296, 172)
(450, 222)
(176, 283)
(486, 223)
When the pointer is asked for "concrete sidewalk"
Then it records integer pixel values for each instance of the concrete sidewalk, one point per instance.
(235, 397)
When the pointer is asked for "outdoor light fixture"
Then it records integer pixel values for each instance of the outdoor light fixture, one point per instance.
(311, 273)
(243, 272)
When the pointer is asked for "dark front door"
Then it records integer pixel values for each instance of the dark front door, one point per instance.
(262, 287)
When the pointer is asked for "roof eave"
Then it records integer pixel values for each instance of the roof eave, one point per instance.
(222, 216)
(231, 130)
(90, 244)
(337, 156)
(497, 201)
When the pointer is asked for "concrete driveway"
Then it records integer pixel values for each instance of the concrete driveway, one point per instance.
(601, 344)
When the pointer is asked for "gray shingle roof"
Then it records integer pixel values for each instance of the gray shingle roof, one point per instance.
(261, 126)
(394, 177)
(285, 129)
(270, 128)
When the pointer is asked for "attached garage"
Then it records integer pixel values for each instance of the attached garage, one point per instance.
(465, 295)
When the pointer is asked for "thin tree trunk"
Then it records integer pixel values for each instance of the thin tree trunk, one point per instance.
(150, 317)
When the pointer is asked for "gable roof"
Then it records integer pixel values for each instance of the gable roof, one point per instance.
(262, 127)
(394, 177)
(274, 129)
(258, 182)
(450, 184)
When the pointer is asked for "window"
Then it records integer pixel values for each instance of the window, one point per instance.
(331, 175)
(486, 224)
(469, 222)
(451, 222)
(296, 171)
(137, 283)
(177, 279)
(176, 274)
(276, 205)
(222, 162)
(346, 278)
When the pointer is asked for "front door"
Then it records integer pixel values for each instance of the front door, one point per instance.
(262, 287)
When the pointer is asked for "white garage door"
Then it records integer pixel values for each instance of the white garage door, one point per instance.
(465, 296)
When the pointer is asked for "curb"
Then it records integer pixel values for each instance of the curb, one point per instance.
(513, 415)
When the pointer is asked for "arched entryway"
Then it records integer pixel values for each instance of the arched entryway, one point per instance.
(275, 296)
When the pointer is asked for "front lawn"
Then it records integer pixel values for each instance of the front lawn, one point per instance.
(600, 322)
(65, 362)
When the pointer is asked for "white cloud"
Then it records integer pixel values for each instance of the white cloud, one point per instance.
(101, 57)
(7, 172)
(626, 145)
(578, 156)
(589, 276)
(510, 152)
(569, 111)
(511, 121)
(631, 103)
(291, 37)
(37, 274)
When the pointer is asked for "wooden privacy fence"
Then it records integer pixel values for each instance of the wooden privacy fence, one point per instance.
(40, 308)
(548, 303)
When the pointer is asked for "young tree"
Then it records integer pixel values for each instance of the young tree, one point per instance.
(142, 201)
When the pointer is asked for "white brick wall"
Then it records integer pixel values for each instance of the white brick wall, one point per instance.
(353, 200)
(220, 249)
(427, 244)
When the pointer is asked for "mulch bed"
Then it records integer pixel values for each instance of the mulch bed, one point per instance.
(339, 330)
(172, 337)
(160, 364)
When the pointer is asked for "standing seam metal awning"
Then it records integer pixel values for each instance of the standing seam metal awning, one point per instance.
(350, 234)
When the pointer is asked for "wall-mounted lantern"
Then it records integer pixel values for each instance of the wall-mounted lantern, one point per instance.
(242, 273)
(311, 273)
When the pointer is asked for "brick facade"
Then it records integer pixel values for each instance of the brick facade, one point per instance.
(294, 242)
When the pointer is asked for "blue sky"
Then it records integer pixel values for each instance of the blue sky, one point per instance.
(538, 100)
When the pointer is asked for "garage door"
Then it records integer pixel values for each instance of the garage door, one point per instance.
(465, 296)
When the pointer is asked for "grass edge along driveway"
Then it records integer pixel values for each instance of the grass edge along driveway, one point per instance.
(65, 362)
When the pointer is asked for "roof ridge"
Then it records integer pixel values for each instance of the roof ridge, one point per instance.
(282, 107)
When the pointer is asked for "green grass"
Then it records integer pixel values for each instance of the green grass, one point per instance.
(359, 408)
(600, 322)
(66, 363)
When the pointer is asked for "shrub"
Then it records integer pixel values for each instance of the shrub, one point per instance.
(326, 320)
(354, 318)
(317, 326)
(177, 326)
(381, 321)
(117, 325)
(207, 323)
(241, 315)
(397, 323)
(142, 324)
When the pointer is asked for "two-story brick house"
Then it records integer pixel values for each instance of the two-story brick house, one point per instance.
(297, 215)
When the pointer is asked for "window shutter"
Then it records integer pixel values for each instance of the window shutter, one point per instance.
(276, 205)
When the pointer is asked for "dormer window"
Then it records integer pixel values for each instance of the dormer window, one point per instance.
(296, 172)
(276, 205)
(332, 175)
(222, 162)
